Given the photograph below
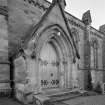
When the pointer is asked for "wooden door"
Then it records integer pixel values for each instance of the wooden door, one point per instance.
(49, 67)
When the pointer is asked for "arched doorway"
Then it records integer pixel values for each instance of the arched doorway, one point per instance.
(54, 54)
(49, 66)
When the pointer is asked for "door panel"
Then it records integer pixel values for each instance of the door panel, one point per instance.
(49, 69)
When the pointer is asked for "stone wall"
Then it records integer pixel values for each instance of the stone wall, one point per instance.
(24, 15)
(4, 63)
(102, 30)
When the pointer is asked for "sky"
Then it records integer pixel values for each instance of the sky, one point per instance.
(96, 7)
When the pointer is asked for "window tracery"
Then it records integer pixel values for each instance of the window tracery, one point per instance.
(94, 52)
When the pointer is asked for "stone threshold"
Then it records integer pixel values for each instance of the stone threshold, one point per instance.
(57, 95)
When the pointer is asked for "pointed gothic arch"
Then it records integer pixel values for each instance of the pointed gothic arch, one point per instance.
(55, 36)
(51, 31)
(94, 47)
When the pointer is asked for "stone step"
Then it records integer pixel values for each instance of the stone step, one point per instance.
(60, 96)
(69, 95)
(64, 97)
(62, 93)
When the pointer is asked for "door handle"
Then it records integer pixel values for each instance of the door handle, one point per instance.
(51, 74)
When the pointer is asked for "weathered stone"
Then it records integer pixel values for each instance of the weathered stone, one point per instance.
(102, 29)
(66, 36)
(4, 63)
